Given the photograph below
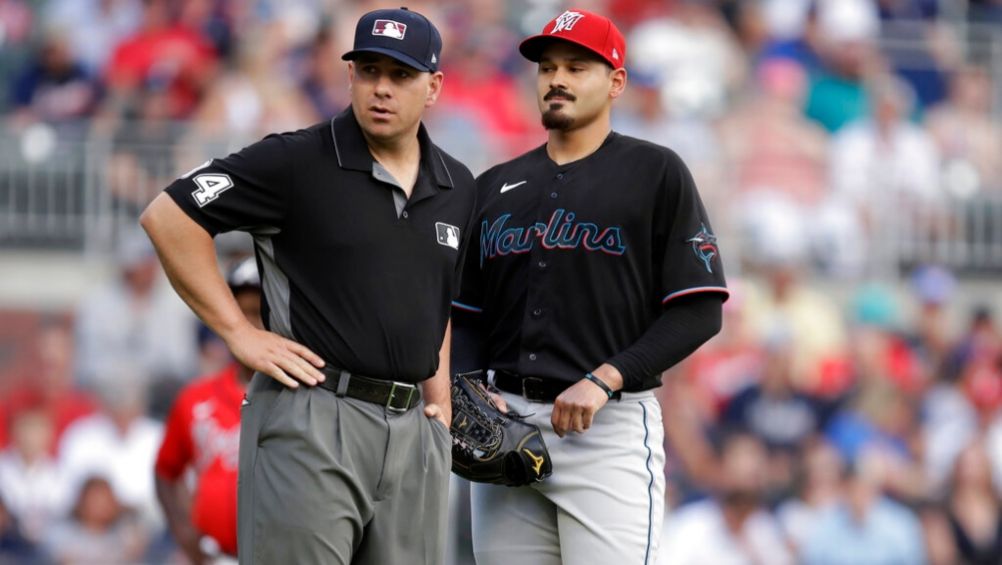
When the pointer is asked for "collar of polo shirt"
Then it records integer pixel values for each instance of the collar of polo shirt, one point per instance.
(353, 153)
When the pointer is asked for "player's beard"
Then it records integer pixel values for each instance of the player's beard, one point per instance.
(555, 119)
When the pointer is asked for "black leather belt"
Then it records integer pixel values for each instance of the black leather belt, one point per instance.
(396, 397)
(536, 389)
(531, 388)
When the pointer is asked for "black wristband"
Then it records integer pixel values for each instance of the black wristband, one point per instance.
(601, 384)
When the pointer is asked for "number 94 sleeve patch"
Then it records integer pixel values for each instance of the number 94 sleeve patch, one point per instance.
(210, 186)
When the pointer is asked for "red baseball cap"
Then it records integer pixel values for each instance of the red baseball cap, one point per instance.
(587, 29)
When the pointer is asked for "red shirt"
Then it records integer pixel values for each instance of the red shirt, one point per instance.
(203, 432)
(180, 57)
(63, 406)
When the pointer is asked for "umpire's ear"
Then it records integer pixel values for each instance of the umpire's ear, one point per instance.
(434, 88)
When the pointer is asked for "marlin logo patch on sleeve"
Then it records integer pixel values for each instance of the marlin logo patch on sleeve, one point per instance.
(704, 245)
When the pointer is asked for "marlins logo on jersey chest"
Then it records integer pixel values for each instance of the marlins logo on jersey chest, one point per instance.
(562, 231)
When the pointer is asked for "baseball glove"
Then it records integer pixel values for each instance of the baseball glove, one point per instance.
(490, 446)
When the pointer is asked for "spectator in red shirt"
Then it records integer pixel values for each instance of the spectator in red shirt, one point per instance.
(165, 52)
(50, 388)
(203, 433)
(487, 97)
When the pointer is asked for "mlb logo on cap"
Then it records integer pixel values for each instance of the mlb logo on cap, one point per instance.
(389, 28)
(401, 34)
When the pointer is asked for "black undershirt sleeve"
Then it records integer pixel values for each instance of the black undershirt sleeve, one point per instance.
(468, 351)
(685, 324)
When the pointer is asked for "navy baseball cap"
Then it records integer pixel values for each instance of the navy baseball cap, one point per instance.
(402, 34)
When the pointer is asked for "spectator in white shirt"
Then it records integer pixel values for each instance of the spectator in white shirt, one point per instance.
(30, 482)
(886, 153)
(120, 443)
(136, 319)
(732, 528)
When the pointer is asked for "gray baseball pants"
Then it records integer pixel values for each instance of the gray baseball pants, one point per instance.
(603, 504)
(334, 480)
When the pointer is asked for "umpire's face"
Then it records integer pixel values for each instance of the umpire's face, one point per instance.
(389, 97)
(574, 86)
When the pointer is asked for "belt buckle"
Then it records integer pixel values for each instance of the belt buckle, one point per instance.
(393, 395)
(532, 393)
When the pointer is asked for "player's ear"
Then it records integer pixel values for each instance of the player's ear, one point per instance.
(351, 74)
(618, 82)
(434, 88)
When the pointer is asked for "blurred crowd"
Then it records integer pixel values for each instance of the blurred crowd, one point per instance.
(837, 110)
(809, 433)
(814, 430)
(82, 429)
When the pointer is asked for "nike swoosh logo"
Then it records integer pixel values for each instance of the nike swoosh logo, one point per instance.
(506, 187)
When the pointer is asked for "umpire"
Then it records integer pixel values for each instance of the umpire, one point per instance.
(359, 226)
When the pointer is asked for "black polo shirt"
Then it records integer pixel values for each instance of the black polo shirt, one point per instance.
(571, 264)
(350, 267)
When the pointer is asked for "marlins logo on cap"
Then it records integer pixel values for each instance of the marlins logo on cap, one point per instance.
(589, 30)
(566, 21)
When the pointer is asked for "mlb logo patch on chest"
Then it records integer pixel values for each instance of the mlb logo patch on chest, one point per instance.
(447, 235)
(389, 28)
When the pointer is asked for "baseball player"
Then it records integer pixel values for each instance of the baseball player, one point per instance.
(359, 226)
(594, 269)
(203, 434)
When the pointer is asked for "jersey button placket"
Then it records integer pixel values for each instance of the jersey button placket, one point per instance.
(532, 330)
(559, 181)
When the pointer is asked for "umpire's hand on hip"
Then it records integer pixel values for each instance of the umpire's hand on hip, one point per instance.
(574, 409)
(282, 359)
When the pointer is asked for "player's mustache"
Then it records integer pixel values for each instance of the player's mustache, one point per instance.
(561, 93)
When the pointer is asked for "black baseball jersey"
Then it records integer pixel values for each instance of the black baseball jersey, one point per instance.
(350, 267)
(570, 264)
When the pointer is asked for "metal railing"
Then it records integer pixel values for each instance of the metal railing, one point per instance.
(962, 233)
(73, 188)
(76, 191)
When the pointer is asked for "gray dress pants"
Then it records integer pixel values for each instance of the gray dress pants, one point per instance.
(331, 480)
